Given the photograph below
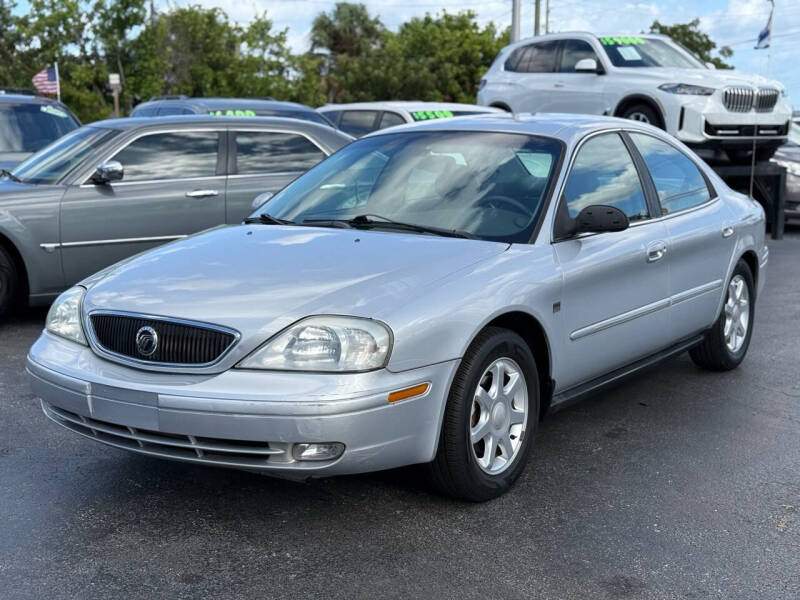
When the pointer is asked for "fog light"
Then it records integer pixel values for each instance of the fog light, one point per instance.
(326, 451)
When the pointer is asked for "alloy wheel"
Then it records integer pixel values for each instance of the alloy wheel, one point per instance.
(499, 415)
(639, 116)
(737, 314)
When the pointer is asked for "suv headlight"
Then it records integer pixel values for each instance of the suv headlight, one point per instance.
(325, 344)
(686, 89)
(64, 316)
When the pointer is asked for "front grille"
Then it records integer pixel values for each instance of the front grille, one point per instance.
(738, 98)
(766, 99)
(168, 445)
(178, 342)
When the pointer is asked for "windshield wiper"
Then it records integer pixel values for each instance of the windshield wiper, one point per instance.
(371, 221)
(10, 175)
(268, 219)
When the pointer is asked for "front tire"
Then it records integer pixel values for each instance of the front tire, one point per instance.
(9, 282)
(642, 113)
(490, 419)
(724, 346)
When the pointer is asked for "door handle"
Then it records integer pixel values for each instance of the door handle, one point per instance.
(202, 193)
(727, 231)
(656, 251)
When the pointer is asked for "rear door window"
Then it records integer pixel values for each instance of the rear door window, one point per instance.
(273, 152)
(677, 178)
(358, 122)
(534, 58)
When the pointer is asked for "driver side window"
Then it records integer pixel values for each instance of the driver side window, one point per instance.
(604, 173)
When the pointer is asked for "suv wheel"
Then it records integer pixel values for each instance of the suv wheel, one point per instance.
(490, 419)
(724, 346)
(642, 113)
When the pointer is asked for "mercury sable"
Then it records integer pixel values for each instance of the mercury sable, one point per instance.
(425, 295)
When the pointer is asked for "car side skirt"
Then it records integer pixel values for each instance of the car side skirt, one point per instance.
(575, 394)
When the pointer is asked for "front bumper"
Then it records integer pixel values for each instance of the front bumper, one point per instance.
(242, 419)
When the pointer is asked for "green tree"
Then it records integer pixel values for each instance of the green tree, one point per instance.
(694, 40)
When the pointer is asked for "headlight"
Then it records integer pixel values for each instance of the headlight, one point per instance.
(686, 89)
(64, 316)
(325, 343)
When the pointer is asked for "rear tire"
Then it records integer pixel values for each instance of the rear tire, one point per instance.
(9, 282)
(488, 429)
(724, 346)
(643, 113)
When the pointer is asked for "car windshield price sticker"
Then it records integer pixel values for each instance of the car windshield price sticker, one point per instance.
(621, 41)
(629, 53)
(424, 115)
(232, 113)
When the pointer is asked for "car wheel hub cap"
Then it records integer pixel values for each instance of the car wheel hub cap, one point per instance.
(499, 415)
(639, 116)
(737, 314)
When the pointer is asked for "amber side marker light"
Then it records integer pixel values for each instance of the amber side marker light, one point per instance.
(407, 393)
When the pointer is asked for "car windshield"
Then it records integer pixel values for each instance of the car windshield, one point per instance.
(30, 127)
(647, 52)
(489, 185)
(51, 163)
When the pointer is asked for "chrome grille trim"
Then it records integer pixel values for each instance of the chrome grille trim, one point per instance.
(738, 98)
(766, 99)
(167, 445)
(184, 338)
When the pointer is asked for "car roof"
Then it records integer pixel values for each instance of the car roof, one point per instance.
(581, 35)
(566, 127)
(27, 99)
(409, 105)
(230, 103)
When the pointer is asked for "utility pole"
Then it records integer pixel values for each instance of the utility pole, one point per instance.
(547, 16)
(515, 20)
(537, 9)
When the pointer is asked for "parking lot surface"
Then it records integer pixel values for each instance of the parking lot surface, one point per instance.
(677, 484)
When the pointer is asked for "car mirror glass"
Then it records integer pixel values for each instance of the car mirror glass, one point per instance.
(108, 171)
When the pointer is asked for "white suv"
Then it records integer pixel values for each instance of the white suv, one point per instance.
(647, 78)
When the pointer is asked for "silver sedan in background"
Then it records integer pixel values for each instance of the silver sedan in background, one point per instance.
(425, 295)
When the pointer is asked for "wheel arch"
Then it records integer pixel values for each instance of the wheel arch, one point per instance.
(19, 264)
(501, 106)
(751, 258)
(531, 330)
(632, 99)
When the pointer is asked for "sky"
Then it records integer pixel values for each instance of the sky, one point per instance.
(735, 23)
(728, 22)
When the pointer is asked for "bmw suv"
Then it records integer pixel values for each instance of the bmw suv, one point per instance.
(648, 78)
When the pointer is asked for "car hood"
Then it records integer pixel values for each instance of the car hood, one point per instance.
(258, 279)
(708, 77)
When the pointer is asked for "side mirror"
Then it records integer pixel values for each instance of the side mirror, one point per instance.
(261, 199)
(109, 171)
(600, 217)
(586, 65)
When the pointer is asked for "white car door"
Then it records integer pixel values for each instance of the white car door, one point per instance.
(578, 92)
(530, 78)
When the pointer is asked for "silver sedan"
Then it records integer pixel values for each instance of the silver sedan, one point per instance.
(425, 295)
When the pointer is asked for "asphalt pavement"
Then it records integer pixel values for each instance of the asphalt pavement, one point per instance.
(677, 484)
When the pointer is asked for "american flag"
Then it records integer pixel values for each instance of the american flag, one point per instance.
(46, 81)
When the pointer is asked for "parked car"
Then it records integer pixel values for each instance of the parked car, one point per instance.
(164, 106)
(28, 123)
(361, 118)
(788, 156)
(647, 78)
(422, 296)
(115, 188)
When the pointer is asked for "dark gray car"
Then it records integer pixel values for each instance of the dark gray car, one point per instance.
(28, 123)
(114, 188)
